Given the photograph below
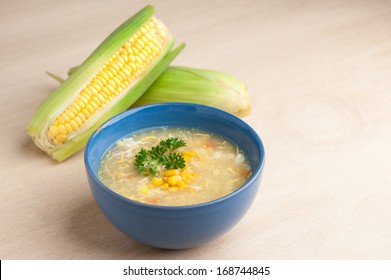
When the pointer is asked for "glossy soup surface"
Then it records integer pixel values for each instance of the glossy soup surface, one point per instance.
(214, 168)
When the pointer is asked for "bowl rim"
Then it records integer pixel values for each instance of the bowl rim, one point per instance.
(130, 112)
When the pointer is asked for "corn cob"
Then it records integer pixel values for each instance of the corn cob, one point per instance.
(201, 86)
(113, 77)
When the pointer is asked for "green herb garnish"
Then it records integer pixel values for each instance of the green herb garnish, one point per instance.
(162, 155)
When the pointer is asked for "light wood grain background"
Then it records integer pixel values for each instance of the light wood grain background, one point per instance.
(319, 75)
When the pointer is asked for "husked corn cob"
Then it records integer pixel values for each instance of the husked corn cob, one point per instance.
(124, 67)
(113, 77)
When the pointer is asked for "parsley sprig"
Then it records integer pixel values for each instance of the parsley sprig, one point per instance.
(163, 155)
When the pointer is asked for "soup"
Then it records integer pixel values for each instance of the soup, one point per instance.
(174, 166)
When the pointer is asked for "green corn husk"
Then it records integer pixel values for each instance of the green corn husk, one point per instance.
(66, 93)
(201, 86)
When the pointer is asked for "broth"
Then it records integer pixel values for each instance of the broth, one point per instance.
(214, 168)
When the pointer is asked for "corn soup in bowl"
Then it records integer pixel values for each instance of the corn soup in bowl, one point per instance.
(174, 175)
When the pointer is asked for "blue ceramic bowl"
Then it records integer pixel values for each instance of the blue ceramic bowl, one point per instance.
(174, 227)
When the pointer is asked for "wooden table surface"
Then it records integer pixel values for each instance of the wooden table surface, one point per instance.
(319, 77)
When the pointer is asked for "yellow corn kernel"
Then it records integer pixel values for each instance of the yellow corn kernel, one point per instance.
(186, 158)
(70, 113)
(59, 120)
(68, 128)
(172, 180)
(79, 120)
(65, 117)
(74, 124)
(60, 138)
(188, 178)
(165, 186)
(171, 172)
(181, 184)
(53, 130)
(157, 181)
(189, 153)
(61, 129)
